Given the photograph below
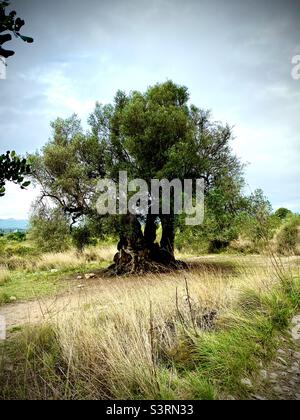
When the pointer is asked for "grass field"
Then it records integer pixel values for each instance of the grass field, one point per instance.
(35, 276)
(188, 335)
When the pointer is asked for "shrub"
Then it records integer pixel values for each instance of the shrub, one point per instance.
(190, 240)
(4, 298)
(81, 237)
(49, 230)
(17, 237)
(288, 237)
(282, 213)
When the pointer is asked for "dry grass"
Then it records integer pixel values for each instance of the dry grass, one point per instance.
(4, 275)
(72, 259)
(125, 339)
(155, 337)
(31, 277)
(60, 261)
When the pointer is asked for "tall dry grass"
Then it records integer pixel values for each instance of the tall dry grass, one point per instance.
(125, 340)
(4, 275)
(152, 337)
(60, 260)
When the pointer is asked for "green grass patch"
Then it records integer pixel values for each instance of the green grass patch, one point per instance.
(25, 286)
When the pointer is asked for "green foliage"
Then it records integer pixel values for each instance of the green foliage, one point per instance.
(146, 127)
(10, 22)
(288, 237)
(4, 298)
(14, 169)
(155, 134)
(68, 168)
(49, 229)
(13, 246)
(81, 237)
(224, 205)
(282, 213)
(17, 236)
(191, 239)
(247, 224)
(256, 223)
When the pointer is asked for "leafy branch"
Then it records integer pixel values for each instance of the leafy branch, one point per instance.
(10, 22)
(13, 169)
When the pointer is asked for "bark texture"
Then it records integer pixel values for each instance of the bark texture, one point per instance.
(138, 251)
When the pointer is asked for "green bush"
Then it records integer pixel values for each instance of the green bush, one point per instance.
(283, 213)
(17, 237)
(49, 230)
(191, 240)
(81, 237)
(4, 298)
(288, 237)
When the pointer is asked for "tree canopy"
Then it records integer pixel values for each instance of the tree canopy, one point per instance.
(155, 134)
(282, 213)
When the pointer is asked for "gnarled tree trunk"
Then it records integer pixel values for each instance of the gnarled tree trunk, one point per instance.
(138, 251)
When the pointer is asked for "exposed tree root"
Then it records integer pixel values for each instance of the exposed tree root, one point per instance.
(145, 261)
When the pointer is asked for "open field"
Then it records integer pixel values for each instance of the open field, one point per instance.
(201, 333)
(35, 276)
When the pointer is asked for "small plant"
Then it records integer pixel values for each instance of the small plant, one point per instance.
(4, 298)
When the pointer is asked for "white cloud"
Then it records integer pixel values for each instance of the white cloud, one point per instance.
(281, 91)
(16, 203)
(60, 91)
(235, 58)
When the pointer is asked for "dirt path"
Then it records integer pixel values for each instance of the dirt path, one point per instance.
(281, 380)
(81, 292)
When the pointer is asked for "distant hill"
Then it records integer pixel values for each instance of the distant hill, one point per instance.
(13, 224)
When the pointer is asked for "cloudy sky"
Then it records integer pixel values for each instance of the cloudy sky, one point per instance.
(235, 56)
